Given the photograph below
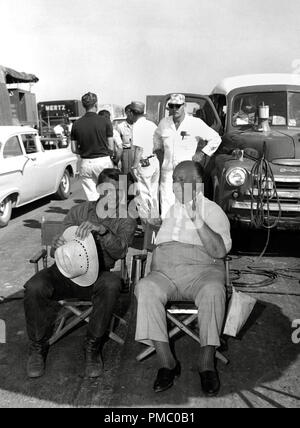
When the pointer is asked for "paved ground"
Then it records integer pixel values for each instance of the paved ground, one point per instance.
(264, 362)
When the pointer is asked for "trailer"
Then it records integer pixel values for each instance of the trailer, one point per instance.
(17, 106)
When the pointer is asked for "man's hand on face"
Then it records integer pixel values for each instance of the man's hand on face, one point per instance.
(87, 227)
(194, 210)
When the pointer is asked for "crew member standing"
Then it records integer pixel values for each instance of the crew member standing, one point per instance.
(145, 166)
(92, 139)
(125, 131)
(181, 137)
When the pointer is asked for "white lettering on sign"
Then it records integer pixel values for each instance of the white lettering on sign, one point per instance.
(54, 107)
(296, 333)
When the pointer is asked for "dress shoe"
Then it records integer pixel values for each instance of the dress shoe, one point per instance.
(93, 360)
(210, 382)
(37, 360)
(165, 378)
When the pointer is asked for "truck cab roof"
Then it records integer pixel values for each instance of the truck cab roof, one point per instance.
(230, 83)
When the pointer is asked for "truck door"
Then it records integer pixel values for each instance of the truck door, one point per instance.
(196, 105)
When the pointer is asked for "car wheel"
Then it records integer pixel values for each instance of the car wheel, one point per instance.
(64, 188)
(5, 212)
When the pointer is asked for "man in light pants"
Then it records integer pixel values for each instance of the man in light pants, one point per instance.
(181, 137)
(145, 167)
(92, 139)
(187, 263)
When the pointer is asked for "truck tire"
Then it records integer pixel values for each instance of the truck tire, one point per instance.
(5, 212)
(64, 188)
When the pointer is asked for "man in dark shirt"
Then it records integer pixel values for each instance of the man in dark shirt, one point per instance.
(92, 139)
(113, 236)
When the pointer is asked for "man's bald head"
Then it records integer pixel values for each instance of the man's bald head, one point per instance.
(187, 181)
(188, 172)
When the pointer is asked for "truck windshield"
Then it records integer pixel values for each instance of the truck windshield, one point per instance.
(294, 108)
(249, 107)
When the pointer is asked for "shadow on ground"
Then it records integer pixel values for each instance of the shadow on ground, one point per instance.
(263, 355)
(63, 384)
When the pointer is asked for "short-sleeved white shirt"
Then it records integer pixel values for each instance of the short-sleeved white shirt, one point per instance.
(177, 225)
(142, 135)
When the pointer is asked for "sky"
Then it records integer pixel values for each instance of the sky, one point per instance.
(125, 49)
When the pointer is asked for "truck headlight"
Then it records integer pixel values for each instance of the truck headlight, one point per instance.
(236, 176)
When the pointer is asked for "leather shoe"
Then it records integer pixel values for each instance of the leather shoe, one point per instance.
(210, 382)
(165, 378)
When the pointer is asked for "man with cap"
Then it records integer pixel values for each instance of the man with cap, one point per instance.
(181, 137)
(187, 264)
(145, 167)
(125, 130)
(96, 236)
(92, 139)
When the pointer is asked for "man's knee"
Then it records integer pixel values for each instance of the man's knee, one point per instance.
(149, 291)
(37, 286)
(108, 283)
(211, 292)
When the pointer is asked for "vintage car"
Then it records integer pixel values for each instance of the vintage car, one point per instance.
(28, 172)
(256, 176)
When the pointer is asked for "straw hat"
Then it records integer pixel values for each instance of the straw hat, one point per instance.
(78, 259)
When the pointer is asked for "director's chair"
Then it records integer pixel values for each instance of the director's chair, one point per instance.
(73, 311)
(180, 313)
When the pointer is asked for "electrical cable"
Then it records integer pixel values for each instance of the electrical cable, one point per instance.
(262, 180)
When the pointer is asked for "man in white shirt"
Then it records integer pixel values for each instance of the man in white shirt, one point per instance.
(125, 130)
(187, 263)
(179, 137)
(145, 168)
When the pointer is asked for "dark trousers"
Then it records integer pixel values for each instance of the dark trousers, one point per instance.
(48, 286)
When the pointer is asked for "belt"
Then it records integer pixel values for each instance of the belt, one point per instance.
(126, 148)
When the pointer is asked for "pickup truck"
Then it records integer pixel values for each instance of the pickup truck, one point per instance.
(258, 118)
(29, 172)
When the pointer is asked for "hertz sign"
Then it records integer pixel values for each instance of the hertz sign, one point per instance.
(53, 112)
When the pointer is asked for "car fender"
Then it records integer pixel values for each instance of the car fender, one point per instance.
(14, 192)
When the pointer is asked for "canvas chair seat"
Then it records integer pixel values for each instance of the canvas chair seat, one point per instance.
(73, 311)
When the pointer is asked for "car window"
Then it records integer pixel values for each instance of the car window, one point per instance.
(246, 108)
(29, 143)
(294, 108)
(12, 148)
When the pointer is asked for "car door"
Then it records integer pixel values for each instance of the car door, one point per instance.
(36, 181)
(12, 162)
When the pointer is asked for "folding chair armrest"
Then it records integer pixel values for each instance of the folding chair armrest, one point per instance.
(38, 256)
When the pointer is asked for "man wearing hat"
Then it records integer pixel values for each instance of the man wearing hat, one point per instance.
(125, 130)
(92, 139)
(145, 167)
(177, 138)
(95, 237)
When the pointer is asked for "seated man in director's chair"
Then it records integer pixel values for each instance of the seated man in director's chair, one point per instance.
(187, 264)
(93, 240)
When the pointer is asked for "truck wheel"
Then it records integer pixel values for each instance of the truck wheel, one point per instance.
(64, 188)
(5, 212)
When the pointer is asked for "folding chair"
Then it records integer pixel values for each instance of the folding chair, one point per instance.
(181, 313)
(74, 311)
